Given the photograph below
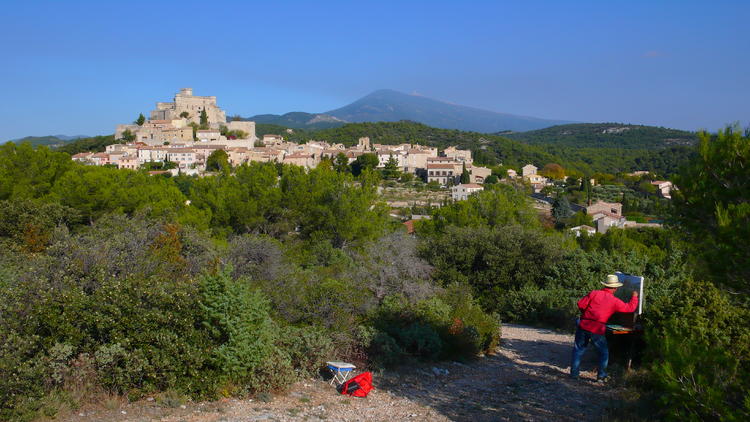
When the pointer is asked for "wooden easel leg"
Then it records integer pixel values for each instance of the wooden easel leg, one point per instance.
(630, 353)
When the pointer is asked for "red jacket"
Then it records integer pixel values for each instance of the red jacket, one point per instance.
(598, 306)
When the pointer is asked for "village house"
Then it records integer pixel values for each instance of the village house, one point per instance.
(460, 155)
(537, 181)
(463, 191)
(606, 215)
(442, 173)
(269, 140)
(479, 174)
(604, 207)
(578, 230)
(128, 162)
(664, 188)
(300, 159)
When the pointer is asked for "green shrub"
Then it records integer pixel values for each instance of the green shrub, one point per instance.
(531, 304)
(384, 351)
(420, 340)
(307, 347)
(699, 353)
(238, 321)
(472, 330)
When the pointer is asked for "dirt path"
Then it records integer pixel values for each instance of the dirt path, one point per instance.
(526, 381)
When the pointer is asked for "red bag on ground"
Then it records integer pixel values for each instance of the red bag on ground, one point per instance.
(359, 386)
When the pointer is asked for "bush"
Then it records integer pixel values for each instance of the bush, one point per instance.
(552, 306)
(472, 330)
(699, 349)
(420, 340)
(307, 347)
(384, 351)
(237, 319)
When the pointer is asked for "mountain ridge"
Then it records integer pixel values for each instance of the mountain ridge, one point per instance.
(391, 106)
(387, 105)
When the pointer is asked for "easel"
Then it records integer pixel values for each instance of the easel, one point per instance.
(631, 333)
(628, 324)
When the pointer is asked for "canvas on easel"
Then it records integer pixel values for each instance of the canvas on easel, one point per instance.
(630, 284)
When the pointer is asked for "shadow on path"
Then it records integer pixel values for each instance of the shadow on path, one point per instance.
(526, 380)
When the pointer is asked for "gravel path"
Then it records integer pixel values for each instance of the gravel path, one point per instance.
(525, 381)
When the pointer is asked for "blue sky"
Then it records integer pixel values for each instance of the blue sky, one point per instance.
(81, 67)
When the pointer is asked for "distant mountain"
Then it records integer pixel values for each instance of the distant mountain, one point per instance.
(49, 140)
(299, 120)
(391, 106)
(606, 135)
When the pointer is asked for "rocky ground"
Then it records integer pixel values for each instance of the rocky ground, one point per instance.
(525, 381)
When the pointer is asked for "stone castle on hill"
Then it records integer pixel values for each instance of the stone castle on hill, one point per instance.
(173, 122)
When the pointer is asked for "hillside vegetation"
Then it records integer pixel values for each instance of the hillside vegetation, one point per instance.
(50, 141)
(607, 135)
(298, 120)
(494, 149)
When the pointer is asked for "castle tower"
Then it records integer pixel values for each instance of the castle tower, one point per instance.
(364, 144)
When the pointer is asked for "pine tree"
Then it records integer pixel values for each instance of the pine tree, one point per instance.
(561, 209)
(204, 119)
(391, 171)
(465, 177)
(141, 120)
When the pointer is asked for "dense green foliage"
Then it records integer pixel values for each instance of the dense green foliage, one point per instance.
(49, 141)
(714, 205)
(117, 282)
(218, 160)
(606, 135)
(92, 144)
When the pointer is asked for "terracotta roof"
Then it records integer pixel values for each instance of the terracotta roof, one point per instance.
(440, 166)
(472, 185)
(409, 226)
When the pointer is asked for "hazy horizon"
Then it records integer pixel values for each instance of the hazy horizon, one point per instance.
(82, 67)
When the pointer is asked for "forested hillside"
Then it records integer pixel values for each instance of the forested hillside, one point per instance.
(495, 149)
(298, 120)
(607, 135)
(50, 141)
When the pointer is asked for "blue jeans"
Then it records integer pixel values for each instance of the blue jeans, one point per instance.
(579, 348)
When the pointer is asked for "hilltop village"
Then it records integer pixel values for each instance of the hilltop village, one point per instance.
(186, 131)
(181, 136)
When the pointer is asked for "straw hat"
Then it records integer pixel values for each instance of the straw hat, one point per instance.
(612, 281)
